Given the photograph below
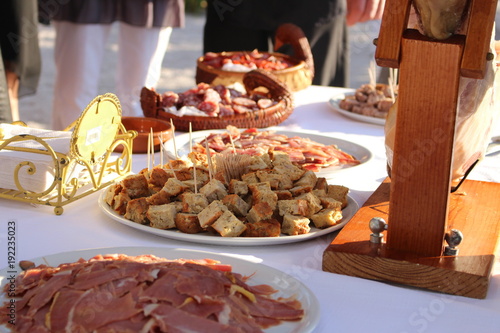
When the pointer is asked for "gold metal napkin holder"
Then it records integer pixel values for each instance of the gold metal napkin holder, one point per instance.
(96, 134)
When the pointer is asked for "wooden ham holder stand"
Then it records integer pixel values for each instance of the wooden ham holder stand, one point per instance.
(416, 202)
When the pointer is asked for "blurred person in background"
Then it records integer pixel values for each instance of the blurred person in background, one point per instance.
(245, 25)
(82, 30)
(21, 59)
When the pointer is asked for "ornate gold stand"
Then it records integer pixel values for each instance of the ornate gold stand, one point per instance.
(95, 136)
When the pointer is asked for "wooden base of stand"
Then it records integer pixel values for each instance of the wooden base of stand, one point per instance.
(473, 210)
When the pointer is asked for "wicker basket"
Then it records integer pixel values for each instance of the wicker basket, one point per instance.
(151, 103)
(296, 78)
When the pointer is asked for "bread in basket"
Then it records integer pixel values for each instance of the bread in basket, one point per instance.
(297, 75)
(259, 84)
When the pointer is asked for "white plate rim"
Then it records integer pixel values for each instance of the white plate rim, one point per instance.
(363, 154)
(347, 213)
(260, 274)
(334, 104)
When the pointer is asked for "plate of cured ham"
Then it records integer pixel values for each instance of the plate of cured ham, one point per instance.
(368, 103)
(320, 153)
(142, 289)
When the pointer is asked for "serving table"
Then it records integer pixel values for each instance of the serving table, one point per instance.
(347, 304)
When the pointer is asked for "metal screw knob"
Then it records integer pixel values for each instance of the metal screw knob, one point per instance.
(454, 237)
(377, 226)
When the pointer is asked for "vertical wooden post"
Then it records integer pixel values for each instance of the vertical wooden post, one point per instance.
(423, 150)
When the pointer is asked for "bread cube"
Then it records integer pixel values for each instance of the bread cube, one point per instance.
(162, 216)
(159, 198)
(211, 213)
(260, 211)
(283, 165)
(283, 194)
(136, 186)
(321, 184)
(294, 207)
(188, 223)
(313, 202)
(111, 192)
(268, 176)
(214, 190)
(339, 193)
(228, 225)
(295, 225)
(309, 178)
(250, 177)
(136, 210)
(265, 228)
(174, 187)
(326, 218)
(158, 177)
(238, 187)
(193, 202)
(257, 163)
(120, 202)
(328, 202)
(236, 204)
(298, 190)
(261, 192)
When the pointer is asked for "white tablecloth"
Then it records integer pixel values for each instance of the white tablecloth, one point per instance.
(347, 304)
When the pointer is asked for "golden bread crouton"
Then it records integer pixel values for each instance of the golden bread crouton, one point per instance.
(158, 177)
(321, 184)
(283, 165)
(260, 211)
(298, 190)
(236, 204)
(228, 225)
(294, 207)
(261, 192)
(136, 210)
(174, 187)
(120, 202)
(136, 186)
(265, 228)
(211, 213)
(326, 218)
(162, 216)
(295, 225)
(313, 202)
(257, 163)
(267, 175)
(339, 193)
(283, 194)
(193, 202)
(214, 190)
(188, 223)
(111, 192)
(238, 187)
(178, 164)
(328, 202)
(309, 178)
(192, 186)
(250, 177)
(159, 198)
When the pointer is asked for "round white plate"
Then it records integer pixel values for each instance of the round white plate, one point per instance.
(260, 274)
(362, 154)
(334, 103)
(207, 238)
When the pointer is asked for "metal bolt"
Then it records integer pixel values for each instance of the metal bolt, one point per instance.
(490, 56)
(454, 237)
(375, 41)
(377, 226)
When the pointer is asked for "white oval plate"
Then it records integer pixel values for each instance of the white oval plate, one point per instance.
(206, 238)
(362, 154)
(334, 103)
(286, 285)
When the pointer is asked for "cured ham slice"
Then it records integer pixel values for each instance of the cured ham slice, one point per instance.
(119, 293)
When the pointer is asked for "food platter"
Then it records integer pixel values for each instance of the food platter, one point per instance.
(359, 152)
(334, 104)
(260, 274)
(206, 238)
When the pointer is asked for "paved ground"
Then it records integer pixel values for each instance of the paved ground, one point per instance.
(178, 66)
